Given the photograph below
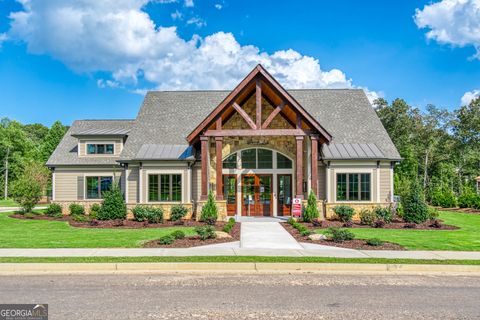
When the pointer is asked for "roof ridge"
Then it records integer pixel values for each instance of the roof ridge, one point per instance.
(227, 90)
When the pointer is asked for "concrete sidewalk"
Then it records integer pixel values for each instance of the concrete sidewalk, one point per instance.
(266, 235)
(11, 209)
(234, 249)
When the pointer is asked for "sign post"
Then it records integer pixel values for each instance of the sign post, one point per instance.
(297, 207)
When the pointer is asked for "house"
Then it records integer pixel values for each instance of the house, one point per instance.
(256, 147)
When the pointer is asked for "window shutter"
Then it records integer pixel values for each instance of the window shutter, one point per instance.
(80, 188)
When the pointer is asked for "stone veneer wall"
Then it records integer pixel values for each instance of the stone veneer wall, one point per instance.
(358, 207)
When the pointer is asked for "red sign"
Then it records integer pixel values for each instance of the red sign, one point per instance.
(297, 207)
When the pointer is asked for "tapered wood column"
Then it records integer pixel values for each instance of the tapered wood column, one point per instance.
(315, 165)
(218, 156)
(204, 150)
(299, 168)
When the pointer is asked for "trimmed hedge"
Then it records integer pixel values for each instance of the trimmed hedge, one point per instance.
(149, 214)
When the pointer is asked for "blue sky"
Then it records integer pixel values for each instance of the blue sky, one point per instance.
(53, 66)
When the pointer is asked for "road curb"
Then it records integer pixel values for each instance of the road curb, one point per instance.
(7, 269)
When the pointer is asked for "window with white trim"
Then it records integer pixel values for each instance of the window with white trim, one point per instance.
(100, 148)
(354, 187)
(96, 186)
(164, 187)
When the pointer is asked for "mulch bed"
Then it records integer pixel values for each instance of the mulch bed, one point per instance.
(395, 224)
(462, 210)
(194, 241)
(116, 224)
(350, 244)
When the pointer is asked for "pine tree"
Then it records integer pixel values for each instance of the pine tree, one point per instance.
(113, 206)
(209, 210)
(311, 212)
(414, 206)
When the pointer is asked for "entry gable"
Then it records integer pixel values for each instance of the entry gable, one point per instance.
(261, 85)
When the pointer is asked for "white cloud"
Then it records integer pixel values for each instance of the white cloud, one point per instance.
(469, 96)
(218, 6)
(454, 22)
(189, 3)
(199, 22)
(177, 15)
(117, 38)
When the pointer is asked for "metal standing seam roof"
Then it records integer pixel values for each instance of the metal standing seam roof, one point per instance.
(352, 151)
(103, 131)
(164, 152)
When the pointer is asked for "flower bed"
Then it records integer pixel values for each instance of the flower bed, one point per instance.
(395, 224)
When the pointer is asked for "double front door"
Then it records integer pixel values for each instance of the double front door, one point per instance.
(256, 194)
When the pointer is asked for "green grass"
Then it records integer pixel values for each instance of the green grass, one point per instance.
(230, 259)
(8, 203)
(16, 233)
(467, 238)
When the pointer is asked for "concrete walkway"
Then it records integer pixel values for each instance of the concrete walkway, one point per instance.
(266, 235)
(234, 249)
(10, 209)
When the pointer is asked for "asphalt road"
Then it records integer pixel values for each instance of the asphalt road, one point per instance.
(248, 296)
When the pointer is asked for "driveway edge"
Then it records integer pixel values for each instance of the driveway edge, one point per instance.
(8, 269)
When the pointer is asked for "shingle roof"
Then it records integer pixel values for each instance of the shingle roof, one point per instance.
(164, 152)
(66, 152)
(166, 118)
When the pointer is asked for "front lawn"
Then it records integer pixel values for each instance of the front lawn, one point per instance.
(16, 233)
(467, 238)
(8, 203)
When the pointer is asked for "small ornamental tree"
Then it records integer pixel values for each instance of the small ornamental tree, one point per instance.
(311, 212)
(113, 206)
(26, 192)
(209, 210)
(415, 209)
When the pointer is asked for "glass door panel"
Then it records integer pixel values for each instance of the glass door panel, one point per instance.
(248, 195)
(230, 193)
(264, 195)
(284, 194)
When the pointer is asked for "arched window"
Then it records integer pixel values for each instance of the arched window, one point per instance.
(257, 158)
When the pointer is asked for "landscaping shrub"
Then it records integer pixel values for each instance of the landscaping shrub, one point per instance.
(178, 234)
(177, 212)
(311, 212)
(209, 213)
(341, 235)
(207, 232)
(476, 205)
(54, 210)
(443, 197)
(76, 209)
(166, 240)
(26, 192)
(229, 226)
(344, 212)
(399, 209)
(113, 206)
(367, 217)
(414, 205)
(374, 242)
(94, 210)
(149, 214)
(467, 198)
(291, 221)
(432, 213)
(383, 213)
(79, 218)
(306, 233)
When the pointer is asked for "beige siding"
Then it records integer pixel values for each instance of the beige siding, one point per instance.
(132, 178)
(385, 184)
(197, 182)
(70, 183)
(322, 183)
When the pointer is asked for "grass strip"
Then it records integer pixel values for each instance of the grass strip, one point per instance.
(232, 259)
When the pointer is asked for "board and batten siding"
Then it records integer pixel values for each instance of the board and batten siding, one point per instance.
(82, 146)
(70, 183)
(196, 182)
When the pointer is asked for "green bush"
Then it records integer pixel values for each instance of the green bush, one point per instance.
(444, 197)
(207, 232)
(229, 226)
(414, 206)
(80, 218)
(432, 213)
(476, 205)
(94, 210)
(341, 235)
(54, 210)
(311, 212)
(399, 209)
(166, 240)
(178, 234)
(209, 211)
(374, 242)
(26, 192)
(147, 213)
(306, 233)
(384, 214)
(367, 217)
(291, 221)
(113, 206)
(177, 212)
(76, 209)
(344, 213)
(467, 198)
